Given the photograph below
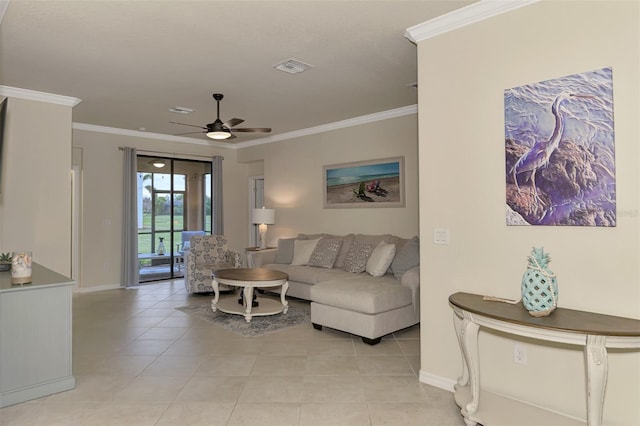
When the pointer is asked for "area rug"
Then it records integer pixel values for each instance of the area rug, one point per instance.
(298, 313)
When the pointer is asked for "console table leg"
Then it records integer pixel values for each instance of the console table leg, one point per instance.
(216, 295)
(597, 365)
(470, 350)
(463, 380)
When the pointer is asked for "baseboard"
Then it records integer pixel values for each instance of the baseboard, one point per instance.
(437, 381)
(98, 288)
(38, 390)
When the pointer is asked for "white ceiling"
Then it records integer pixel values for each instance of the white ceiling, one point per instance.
(130, 61)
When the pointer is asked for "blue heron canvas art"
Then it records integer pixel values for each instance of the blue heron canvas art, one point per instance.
(559, 146)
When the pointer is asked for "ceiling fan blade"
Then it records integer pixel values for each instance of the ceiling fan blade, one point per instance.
(233, 122)
(253, 130)
(219, 126)
(188, 133)
(185, 124)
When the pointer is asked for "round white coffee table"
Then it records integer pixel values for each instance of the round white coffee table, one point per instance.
(248, 279)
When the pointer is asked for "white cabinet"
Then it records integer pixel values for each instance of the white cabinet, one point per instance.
(35, 336)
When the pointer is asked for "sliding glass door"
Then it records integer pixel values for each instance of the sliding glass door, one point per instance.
(173, 196)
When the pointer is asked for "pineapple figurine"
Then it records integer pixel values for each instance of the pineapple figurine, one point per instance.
(539, 285)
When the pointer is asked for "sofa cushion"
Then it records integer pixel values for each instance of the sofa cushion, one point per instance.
(387, 238)
(381, 259)
(309, 275)
(302, 250)
(325, 253)
(357, 256)
(408, 256)
(309, 236)
(374, 239)
(285, 250)
(362, 293)
(346, 243)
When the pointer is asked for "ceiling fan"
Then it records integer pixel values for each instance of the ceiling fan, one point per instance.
(223, 130)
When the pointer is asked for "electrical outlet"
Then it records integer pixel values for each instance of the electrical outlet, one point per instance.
(519, 354)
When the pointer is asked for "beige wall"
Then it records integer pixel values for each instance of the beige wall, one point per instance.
(101, 163)
(293, 179)
(291, 168)
(462, 78)
(35, 197)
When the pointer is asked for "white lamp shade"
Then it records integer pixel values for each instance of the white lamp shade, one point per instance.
(266, 216)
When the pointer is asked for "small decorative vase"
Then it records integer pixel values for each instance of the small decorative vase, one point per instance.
(161, 246)
(21, 267)
(5, 261)
(539, 285)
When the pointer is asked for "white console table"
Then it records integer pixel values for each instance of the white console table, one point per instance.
(595, 332)
(35, 336)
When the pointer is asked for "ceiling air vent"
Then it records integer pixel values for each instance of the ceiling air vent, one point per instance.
(292, 66)
(181, 110)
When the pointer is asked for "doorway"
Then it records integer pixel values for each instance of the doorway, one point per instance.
(174, 195)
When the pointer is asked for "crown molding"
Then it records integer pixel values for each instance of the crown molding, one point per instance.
(146, 135)
(364, 119)
(32, 95)
(467, 15)
(370, 118)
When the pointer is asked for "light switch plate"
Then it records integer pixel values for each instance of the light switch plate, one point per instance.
(441, 236)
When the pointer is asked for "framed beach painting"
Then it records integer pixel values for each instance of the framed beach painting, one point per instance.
(373, 183)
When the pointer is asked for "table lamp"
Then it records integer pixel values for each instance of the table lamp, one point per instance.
(263, 217)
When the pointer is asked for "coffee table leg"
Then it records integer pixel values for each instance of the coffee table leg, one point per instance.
(216, 295)
(248, 299)
(283, 294)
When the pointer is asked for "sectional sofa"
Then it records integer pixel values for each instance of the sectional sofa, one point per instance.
(367, 285)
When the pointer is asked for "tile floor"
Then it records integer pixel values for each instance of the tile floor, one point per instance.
(138, 361)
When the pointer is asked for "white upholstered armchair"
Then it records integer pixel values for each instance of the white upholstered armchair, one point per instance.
(208, 253)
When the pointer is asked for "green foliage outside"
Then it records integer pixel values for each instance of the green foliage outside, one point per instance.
(162, 205)
(163, 223)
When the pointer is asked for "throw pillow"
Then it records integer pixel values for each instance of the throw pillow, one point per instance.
(285, 250)
(325, 253)
(381, 259)
(408, 257)
(302, 250)
(356, 259)
(342, 254)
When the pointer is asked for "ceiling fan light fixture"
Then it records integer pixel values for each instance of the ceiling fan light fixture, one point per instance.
(219, 134)
(221, 130)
